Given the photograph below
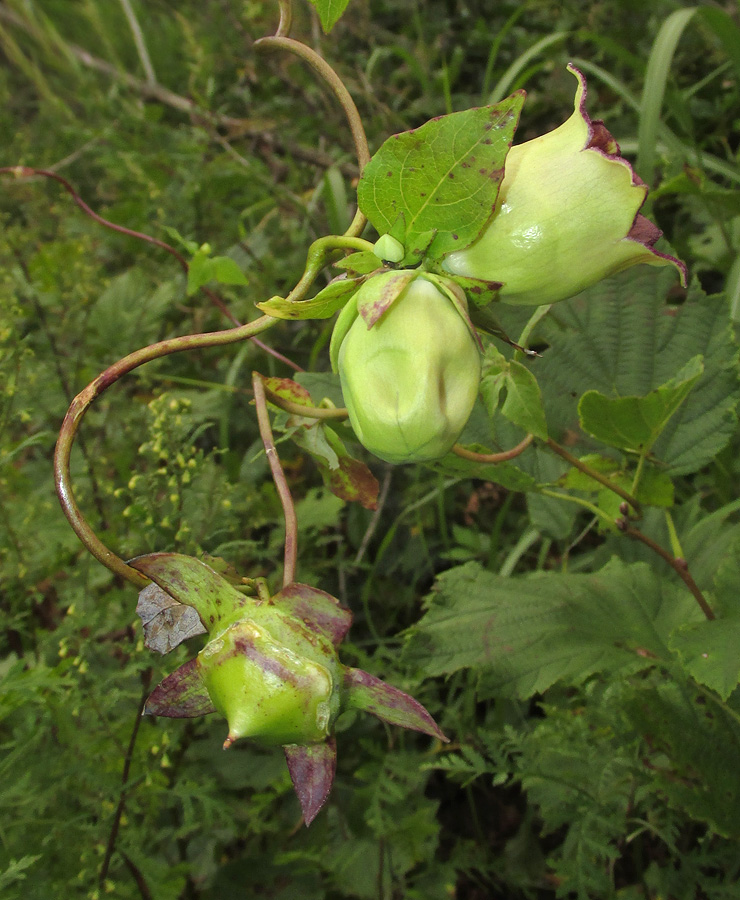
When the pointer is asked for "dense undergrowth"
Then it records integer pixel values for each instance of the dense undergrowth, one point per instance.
(593, 709)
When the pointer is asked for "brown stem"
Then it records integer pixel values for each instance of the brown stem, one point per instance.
(325, 71)
(679, 565)
(597, 476)
(281, 483)
(493, 457)
(81, 404)
(308, 412)
(146, 678)
(25, 171)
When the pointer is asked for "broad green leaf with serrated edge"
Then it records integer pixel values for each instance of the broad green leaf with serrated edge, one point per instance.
(528, 633)
(523, 401)
(710, 652)
(322, 306)
(635, 423)
(622, 337)
(443, 177)
(330, 12)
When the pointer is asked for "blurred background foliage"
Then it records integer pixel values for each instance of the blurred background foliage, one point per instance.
(557, 792)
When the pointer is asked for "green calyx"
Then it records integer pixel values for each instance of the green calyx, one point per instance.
(409, 365)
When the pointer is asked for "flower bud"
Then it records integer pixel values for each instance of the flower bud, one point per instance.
(567, 215)
(409, 373)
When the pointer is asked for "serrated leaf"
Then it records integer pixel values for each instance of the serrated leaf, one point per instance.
(710, 652)
(528, 633)
(166, 622)
(443, 177)
(635, 423)
(523, 401)
(621, 337)
(330, 12)
(322, 306)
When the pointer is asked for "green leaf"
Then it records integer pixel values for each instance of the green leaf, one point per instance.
(361, 263)
(620, 337)
(443, 177)
(322, 306)
(635, 423)
(330, 12)
(528, 633)
(204, 268)
(523, 401)
(710, 652)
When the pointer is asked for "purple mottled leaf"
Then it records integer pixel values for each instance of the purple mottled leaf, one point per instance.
(193, 583)
(366, 692)
(166, 622)
(312, 772)
(318, 610)
(372, 304)
(182, 695)
(289, 390)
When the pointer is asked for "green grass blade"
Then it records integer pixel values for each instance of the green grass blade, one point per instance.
(504, 84)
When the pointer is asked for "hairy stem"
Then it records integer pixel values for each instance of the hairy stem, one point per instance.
(85, 398)
(678, 564)
(458, 450)
(278, 475)
(597, 476)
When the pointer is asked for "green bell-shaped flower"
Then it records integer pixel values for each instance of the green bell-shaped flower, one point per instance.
(567, 215)
(409, 365)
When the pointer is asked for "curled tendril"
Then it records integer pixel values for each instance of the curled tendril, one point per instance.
(82, 403)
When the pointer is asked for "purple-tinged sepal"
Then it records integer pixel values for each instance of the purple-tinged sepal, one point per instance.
(368, 693)
(567, 215)
(312, 771)
(192, 582)
(318, 610)
(182, 695)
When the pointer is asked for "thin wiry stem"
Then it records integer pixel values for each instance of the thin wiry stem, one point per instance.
(138, 34)
(597, 476)
(26, 171)
(678, 564)
(460, 451)
(330, 77)
(82, 403)
(281, 483)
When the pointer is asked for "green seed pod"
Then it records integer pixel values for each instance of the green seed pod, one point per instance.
(272, 679)
(409, 366)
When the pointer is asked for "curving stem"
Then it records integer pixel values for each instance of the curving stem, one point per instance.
(460, 451)
(82, 403)
(286, 499)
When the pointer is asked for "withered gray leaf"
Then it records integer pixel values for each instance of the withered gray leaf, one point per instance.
(166, 622)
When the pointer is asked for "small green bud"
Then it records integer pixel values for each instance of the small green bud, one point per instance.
(389, 249)
(410, 378)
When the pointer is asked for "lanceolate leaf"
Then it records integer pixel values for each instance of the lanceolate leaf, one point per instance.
(443, 177)
(322, 306)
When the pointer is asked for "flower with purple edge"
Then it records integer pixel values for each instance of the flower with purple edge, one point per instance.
(270, 667)
(567, 215)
